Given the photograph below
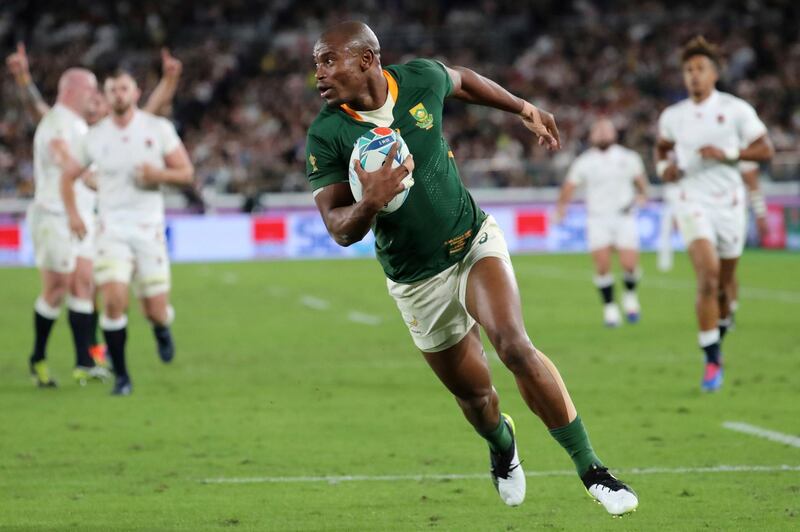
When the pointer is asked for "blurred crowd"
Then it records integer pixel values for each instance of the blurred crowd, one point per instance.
(247, 94)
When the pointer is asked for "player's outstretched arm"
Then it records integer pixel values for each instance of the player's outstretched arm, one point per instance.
(30, 96)
(471, 87)
(178, 170)
(161, 98)
(349, 221)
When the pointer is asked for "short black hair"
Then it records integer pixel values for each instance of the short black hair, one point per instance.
(700, 46)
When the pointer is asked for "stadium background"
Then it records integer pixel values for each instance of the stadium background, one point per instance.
(291, 379)
(247, 96)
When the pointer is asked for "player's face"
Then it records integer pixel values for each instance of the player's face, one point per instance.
(603, 134)
(86, 91)
(699, 75)
(340, 77)
(121, 93)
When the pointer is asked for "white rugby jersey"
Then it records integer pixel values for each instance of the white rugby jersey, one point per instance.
(721, 120)
(60, 122)
(117, 152)
(609, 177)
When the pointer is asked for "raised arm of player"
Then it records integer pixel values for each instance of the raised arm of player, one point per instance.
(30, 96)
(161, 97)
(178, 170)
(347, 221)
(471, 87)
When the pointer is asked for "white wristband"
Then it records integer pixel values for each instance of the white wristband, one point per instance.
(758, 204)
(731, 154)
(661, 167)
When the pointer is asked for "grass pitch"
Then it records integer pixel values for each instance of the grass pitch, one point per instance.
(289, 371)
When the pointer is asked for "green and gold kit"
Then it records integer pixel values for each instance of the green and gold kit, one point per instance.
(434, 227)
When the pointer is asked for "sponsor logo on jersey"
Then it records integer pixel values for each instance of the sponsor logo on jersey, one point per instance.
(313, 161)
(422, 116)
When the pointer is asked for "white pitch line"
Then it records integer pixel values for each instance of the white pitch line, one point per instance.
(767, 434)
(476, 476)
(315, 303)
(365, 319)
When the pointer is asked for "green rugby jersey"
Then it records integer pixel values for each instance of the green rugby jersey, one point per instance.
(434, 227)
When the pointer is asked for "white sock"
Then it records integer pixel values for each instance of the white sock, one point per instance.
(113, 324)
(706, 338)
(44, 309)
(84, 306)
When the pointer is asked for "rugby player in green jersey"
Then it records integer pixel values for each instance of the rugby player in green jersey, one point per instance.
(446, 261)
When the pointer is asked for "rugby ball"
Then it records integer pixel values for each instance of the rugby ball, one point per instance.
(371, 149)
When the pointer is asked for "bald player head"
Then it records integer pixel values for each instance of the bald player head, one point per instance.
(347, 58)
(76, 88)
(603, 133)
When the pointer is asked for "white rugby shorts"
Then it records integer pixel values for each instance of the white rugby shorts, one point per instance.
(133, 253)
(617, 230)
(725, 226)
(55, 248)
(435, 308)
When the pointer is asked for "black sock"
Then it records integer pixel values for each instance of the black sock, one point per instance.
(712, 353)
(161, 332)
(93, 339)
(115, 340)
(42, 326)
(81, 323)
(607, 293)
(723, 325)
(630, 281)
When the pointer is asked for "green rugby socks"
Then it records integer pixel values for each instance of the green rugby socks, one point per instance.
(500, 439)
(575, 440)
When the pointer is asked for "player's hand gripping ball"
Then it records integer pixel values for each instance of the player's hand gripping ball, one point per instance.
(371, 149)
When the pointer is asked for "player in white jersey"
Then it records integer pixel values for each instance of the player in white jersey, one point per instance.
(615, 182)
(65, 263)
(134, 152)
(82, 279)
(699, 145)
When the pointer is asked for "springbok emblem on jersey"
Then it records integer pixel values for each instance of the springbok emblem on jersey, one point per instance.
(422, 116)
